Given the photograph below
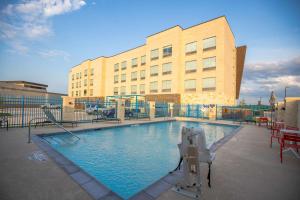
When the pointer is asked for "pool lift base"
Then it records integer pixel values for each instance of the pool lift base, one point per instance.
(193, 151)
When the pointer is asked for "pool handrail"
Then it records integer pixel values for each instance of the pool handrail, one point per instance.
(58, 125)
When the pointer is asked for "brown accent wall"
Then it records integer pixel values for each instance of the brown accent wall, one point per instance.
(171, 98)
(240, 60)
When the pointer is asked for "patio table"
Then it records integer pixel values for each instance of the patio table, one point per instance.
(282, 131)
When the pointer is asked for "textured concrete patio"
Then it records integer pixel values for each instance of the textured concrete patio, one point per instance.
(245, 168)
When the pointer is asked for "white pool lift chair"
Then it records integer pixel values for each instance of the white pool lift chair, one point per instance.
(193, 151)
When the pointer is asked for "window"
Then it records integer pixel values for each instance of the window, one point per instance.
(79, 93)
(85, 72)
(142, 89)
(123, 78)
(209, 43)
(143, 60)
(77, 76)
(91, 92)
(191, 48)
(123, 65)
(91, 82)
(116, 78)
(80, 75)
(76, 93)
(85, 82)
(92, 71)
(72, 85)
(154, 70)
(116, 90)
(209, 84)
(84, 92)
(134, 62)
(133, 76)
(116, 67)
(72, 76)
(153, 87)
(72, 94)
(190, 66)
(209, 63)
(123, 90)
(133, 89)
(76, 84)
(190, 85)
(143, 74)
(79, 84)
(154, 54)
(166, 86)
(167, 51)
(167, 68)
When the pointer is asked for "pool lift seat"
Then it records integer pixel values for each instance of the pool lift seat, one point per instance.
(193, 151)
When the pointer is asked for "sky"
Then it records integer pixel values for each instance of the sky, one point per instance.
(41, 40)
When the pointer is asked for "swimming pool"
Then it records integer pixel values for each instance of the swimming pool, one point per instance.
(128, 159)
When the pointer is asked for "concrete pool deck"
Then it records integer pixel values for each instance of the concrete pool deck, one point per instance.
(245, 168)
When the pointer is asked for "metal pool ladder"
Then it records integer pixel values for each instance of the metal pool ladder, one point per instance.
(58, 125)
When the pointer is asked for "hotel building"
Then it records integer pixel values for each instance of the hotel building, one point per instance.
(197, 65)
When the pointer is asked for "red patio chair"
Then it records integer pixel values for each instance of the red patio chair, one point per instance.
(275, 132)
(289, 140)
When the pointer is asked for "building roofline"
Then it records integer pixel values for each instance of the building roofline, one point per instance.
(161, 32)
(33, 83)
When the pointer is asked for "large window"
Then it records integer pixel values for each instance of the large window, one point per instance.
(91, 82)
(209, 84)
(116, 67)
(84, 92)
(116, 78)
(123, 90)
(143, 74)
(133, 89)
(91, 92)
(142, 89)
(190, 85)
(190, 66)
(123, 65)
(133, 76)
(123, 77)
(167, 51)
(143, 60)
(72, 76)
(85, 82)
(209, 63)
(85, 72)
(134, 62)
(209, 43)
(166, 86)
(167, 68)
(191, 48)
(116, 90)
(92, 72)
(153, 87)
(72, 85)
(154, 54)
(154, 70)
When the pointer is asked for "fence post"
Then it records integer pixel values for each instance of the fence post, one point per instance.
(61, 109)
(23, 104)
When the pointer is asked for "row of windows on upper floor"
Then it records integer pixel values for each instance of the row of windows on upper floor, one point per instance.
(190, 85)
(85, 83)
(190, 67)
(85, 73)
(78, 93)
(190, 48)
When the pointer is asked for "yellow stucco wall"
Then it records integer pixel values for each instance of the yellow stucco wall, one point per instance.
(225, 71)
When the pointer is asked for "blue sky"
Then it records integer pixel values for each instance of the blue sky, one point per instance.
(40, 40)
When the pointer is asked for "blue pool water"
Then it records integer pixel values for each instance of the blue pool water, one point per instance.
(128, 159)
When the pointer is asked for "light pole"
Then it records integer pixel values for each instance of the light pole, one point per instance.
(285, 97)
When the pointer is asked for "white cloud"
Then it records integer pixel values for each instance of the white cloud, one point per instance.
(30, 19)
